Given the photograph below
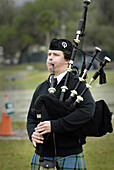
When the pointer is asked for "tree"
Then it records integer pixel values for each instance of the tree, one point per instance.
(100, 30)
(106, 10)
(64, 11)
(47, 23)
(7, 30)
(7, 12)
(38, 22)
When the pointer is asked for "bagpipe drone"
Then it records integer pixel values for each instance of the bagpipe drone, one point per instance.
(100, 124)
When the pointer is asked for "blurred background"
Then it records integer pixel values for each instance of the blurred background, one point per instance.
(26, 28)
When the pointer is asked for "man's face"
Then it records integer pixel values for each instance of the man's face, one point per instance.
(56, 57)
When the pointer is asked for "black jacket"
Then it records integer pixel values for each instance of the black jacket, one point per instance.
(66, 142)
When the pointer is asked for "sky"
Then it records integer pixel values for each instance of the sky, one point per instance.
(21, 2)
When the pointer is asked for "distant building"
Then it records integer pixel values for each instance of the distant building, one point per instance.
(34, 57)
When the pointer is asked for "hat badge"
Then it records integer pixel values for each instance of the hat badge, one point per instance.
(64, 44)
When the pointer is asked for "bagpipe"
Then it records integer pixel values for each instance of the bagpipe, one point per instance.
(100, 124)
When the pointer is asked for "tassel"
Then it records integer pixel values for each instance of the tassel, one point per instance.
(102, 77)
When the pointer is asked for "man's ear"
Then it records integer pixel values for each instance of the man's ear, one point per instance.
(67, 61)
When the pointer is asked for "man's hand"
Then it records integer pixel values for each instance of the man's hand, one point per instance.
(37, 138)
(43, 127)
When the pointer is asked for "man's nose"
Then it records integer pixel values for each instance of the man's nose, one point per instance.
(50, 57)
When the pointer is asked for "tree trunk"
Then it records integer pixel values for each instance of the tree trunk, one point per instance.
(21, 53)
(47, 39)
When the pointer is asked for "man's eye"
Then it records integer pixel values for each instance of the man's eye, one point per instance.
(56, 54)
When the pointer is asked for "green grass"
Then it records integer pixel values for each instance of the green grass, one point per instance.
(18, 125)
(99, 153)
(18, 77)
(24, 79)
(16, 154)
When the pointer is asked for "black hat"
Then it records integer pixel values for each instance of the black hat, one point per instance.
(61, 44)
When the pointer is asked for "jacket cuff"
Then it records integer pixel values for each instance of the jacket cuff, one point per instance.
(55, 125)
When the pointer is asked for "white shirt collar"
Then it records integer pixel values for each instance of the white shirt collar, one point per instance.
(60, 76)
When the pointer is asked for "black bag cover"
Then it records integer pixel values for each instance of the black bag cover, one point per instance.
(98, 126)
(102, 119)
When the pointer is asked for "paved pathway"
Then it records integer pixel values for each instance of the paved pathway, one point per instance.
(20, 134)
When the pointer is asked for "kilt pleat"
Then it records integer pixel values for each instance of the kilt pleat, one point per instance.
(72, 162)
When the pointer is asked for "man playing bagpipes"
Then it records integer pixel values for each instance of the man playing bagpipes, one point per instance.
(53, 137)
(62, 111)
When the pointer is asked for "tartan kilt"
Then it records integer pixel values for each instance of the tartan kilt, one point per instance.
(72, 162)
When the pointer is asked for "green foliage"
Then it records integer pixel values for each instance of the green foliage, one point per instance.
(8, 37)
(27, 39)
(39, 21)
(47, 21)
(7, 33)
(7, 12)
(106, 10)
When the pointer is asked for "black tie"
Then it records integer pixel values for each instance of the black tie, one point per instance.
(54, 82)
